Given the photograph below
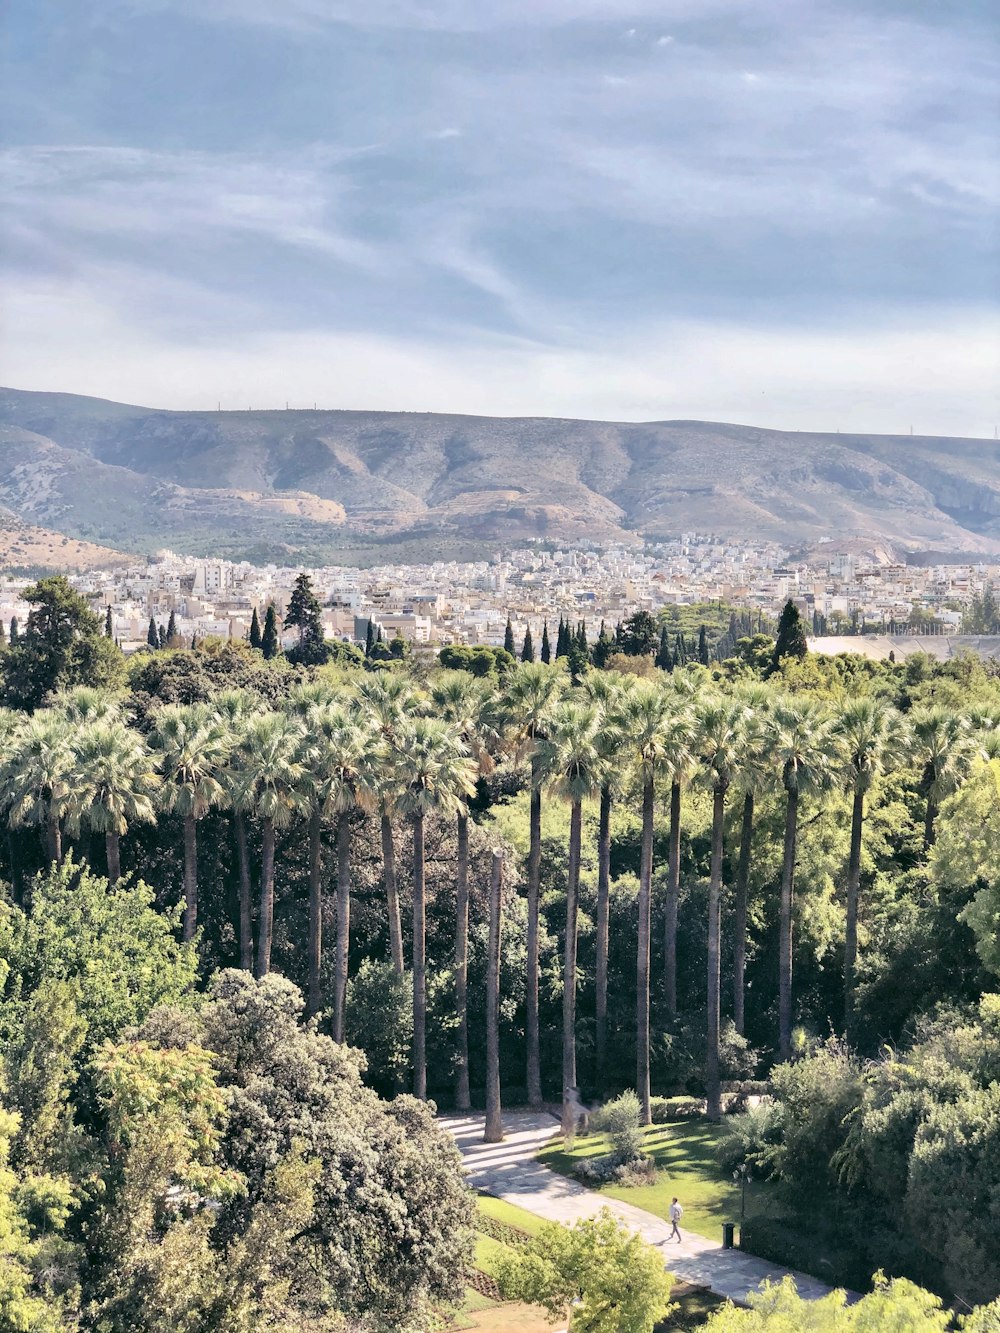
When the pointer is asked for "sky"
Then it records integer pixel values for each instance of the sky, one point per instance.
(779, 212)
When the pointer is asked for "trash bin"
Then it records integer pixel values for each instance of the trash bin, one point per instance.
(728, 1230)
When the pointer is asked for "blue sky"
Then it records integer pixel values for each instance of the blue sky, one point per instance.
(775, 211)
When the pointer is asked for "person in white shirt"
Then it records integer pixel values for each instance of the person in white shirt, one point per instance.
(675, 1216)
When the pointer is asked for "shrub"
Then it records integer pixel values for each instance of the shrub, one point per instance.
(751, 1140)
(667, 1110)
(620, 1120)
(822, 1249)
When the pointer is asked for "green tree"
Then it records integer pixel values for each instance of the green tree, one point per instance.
(791, 640)
(109, 626)
(14, 632)
(754, 775)
(943, 747)
(152, 634)
(436, 776)
(508, 639)
(614, 1281)
(639, 636)
(173, 638)
(62, 646)
(527, 647)
(112, 783)
(192, 746)
(545, 655)
(270, 644)
(256, 638)
(35, 777)
(895, 1305)
(304, 613)
(603, 648)
(703, 657)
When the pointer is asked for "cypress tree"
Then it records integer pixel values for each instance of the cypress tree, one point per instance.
(791, 640)
(162, 636)
(703, 646)
(14, 632)
(270, 644)
(194, 641)
(603, 648)
(255, 634)
(562, 639)
(581, 638)
(663, 659)
(528, 647)
(152, 637)
(546, 652)
(508, 639)
(109, 629)
(3, 637)
(369, 638)
(680, 652)
(171, 630)
(618, 635)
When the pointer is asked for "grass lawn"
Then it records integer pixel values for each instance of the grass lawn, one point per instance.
(511, 1214)
(684, 1154)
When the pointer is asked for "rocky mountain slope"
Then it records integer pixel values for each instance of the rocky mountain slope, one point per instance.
(328, 484)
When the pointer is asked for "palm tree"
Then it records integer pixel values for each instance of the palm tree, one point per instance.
(869, 735)
(336, 757)
(493, 1132)
(86, 703)
(463, 701)
(529, 694)
(609, 690)
(754, 774)
(192, 746)
(112, 782)
(571, 758)
(942, 745)
(271, 784)
(680, 763)
(718, 740)
(233, 708)
(391, 701)
(799, 743)
(646, 713)
(35, 776)
(436, 776)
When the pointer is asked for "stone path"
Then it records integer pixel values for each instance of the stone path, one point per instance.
(510, 1171)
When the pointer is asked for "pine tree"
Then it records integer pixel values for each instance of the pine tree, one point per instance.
(304, 611)
(152, 636)
(663, 659)
(508, 639)
(109, 629)
(171, 630)
(270, 644)
(255, 634)
(791, 640)
(528, 647)
(703, 646)
(545, 655)
(14, 633)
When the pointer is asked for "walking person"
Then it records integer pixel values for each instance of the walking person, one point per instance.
(676, 1211)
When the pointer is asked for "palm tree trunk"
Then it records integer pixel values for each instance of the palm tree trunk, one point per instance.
(392, 897)
(713, 1086)
(531, 991)
(246, 908)
(494, 1121)
(642, 955)
(53, 840)
(419, 964)
(569, 971)
(113, 848)
(742, 892)
(190, 877)
(313, 997)
(673, 899)
(785, 930)
(343, 924)
(266, 898)
(853, 887)
(603, 913)
(462, 1097)
(930, 819)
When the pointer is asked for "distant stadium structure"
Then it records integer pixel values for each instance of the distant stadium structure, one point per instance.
(878, 646)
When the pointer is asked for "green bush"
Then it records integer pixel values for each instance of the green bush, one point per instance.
(668, 1110)
(620, 1120)
(819, 1247)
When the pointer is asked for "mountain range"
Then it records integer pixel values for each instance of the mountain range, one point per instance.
(358, 486)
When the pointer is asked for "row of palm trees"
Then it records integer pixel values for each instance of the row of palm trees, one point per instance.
(389, 747)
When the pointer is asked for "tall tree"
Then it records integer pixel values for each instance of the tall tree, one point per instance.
(256, 638)
(152, 634)
(529, 696)
(464, 702)
(645, 713)
(754, 775)
(173, 639)
(109, 628)
(943, 747)
(162, 635)
(494, 1123)
(14, 632)
(508, 639)
(679, 763)
(437, 776)
(799, 743)
(719, 724)
(639, 635)
(304, 614)
(545, 654)
(192, 746)
(272, 785)
(112, 783)
(35, 777)
(340, 780)
(791, 640)
(663, 660)
(527, 647)
(703, 646)
(233, 707)
(571, 758)
(869, 736)
(391, 700)
(270, 644)
(603, 648)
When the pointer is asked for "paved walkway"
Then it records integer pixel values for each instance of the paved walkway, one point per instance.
(510, 1171)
